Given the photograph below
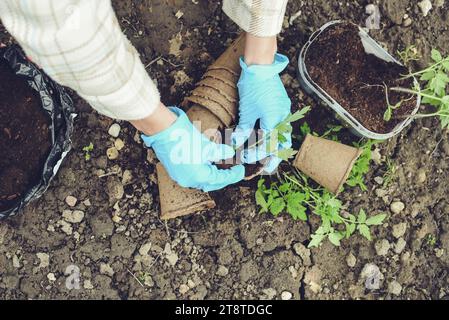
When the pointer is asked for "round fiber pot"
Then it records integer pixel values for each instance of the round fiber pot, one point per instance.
(327, 162)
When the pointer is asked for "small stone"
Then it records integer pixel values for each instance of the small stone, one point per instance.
(183, 289)
(395, 288)
(400, 246)
(51, 277)
(149, 282)
(286, 295)
(421, 176)
(114, 189)
(382, 247)
(397, 207)
(376, 156)
(425, 6)
(65, 227)
(119, 144)
(269, 293)
(145, 249)
(73, 216)
(88, 285)
(16, 262)
(222, 271)
(44, 260)
(172, 259)
(351, 260)
(191, 284)
(303, 253)
(179, 14)
(439, 253)
(379, 180)
(439, 3)
(399, 230)
(372, 276)
(114, 130)
(380, 193)
(71, 201)
(293, 272)
(407, 22)
(112, 153)
(116, 218)
(127, 177)
(106, 269)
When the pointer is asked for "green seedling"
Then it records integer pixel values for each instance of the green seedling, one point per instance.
(87, 151)
(390, 174)
(294, 194)
(362, 165)
(278, 136)
(431, 240)
(434, 82)
(331, 132)
(409, 54)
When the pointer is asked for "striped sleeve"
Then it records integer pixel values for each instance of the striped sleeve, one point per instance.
(263, 18)
(80, 45)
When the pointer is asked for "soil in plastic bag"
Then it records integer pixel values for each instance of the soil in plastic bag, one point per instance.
(25, 137)
(36, 122)
(338, 63)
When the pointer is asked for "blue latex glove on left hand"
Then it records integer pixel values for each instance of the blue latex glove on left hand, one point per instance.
(188, 156)
(262, 97)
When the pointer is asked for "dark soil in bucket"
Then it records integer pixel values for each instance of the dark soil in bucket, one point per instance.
(338, 63)
(25, 140)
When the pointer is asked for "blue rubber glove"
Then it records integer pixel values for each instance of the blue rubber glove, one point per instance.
(262, 97)
(187, 155)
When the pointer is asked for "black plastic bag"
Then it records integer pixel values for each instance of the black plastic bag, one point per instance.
(59, 106)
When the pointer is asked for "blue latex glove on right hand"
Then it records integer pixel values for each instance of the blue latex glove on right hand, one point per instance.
(262, 97)
(188, 156)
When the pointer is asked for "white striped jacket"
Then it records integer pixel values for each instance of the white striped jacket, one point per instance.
(79, 44)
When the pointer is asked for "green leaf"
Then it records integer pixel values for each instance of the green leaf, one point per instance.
(428, 75)
(261, 184)
(283, 128)
(305, 129)
(260, 200)
(286, 154)
(436, 55)
(317, 239)
(376, 220)
(443, 77)
(277, 206)
(388, 114)
(350, 229)
(297, 211)
(282, 139)
(364, 231)
(362, 216)
(445, 100)
(445, 65)
(298, 115)
(285, 187)
(295, 206)
(335, 238)
(444, 122)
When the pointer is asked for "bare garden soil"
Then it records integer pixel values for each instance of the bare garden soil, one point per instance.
(121, 250)
(25, 139)
(338, 63)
